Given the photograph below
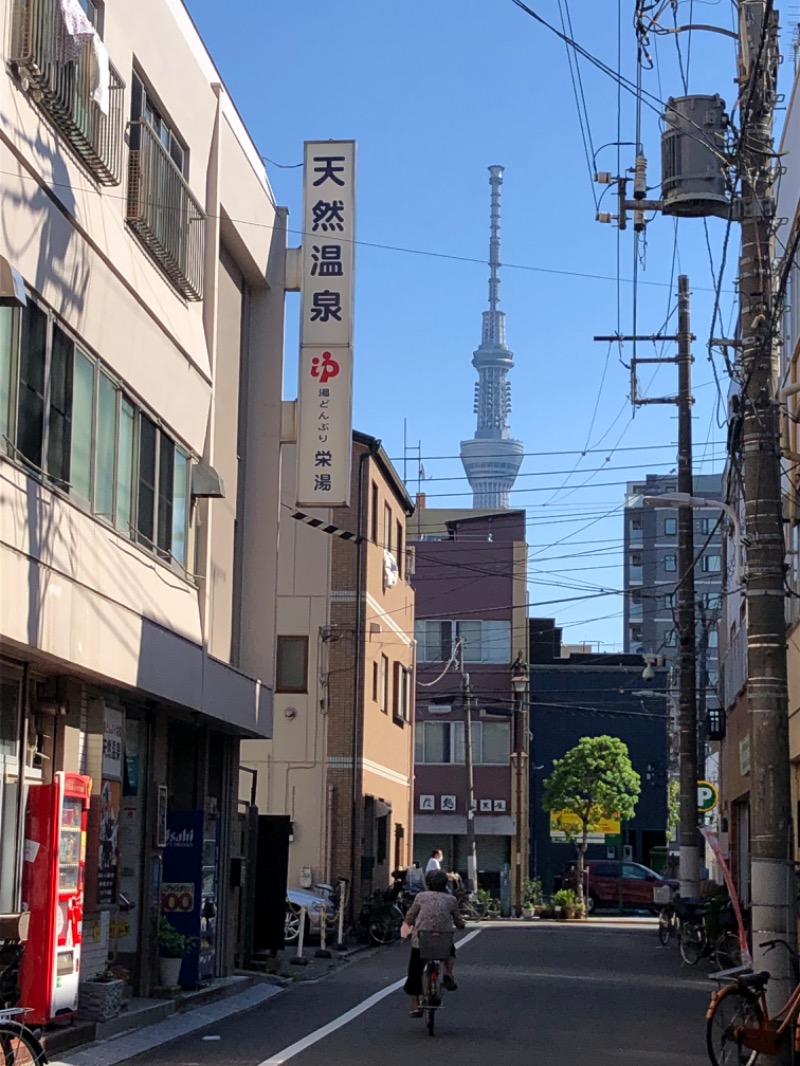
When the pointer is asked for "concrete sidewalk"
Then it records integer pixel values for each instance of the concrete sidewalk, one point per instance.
(149, 1023)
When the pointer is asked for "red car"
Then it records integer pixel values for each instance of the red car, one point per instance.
(638, 885)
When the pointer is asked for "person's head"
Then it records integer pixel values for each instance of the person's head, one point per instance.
(437, 881)
(437, 854)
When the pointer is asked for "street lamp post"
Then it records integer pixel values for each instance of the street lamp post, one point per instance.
(519, 686)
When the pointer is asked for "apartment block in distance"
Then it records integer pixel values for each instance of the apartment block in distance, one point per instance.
(470, 583)
(340, 760)
(140, 377)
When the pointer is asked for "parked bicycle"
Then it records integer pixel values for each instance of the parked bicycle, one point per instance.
(19, 1045)
(703, 936)
(668, 924)
(381, 917)
(470, 907)
(434, 949)
(739, 1027)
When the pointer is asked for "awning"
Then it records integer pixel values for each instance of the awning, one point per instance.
(456, 825)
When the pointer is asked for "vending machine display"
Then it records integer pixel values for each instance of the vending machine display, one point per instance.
(189, 888)
(52, 890)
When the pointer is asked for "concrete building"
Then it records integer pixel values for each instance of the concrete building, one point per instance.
(585, 695)
(470, 583)
(139, 466)
(344, 684)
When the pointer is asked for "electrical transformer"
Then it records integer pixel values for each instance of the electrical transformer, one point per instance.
(693, 158)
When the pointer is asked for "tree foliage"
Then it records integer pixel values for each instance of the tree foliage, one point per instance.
(594, 780)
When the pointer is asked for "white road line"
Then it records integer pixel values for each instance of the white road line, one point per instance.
(344, 1019)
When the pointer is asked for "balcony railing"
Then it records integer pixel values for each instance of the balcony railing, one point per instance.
(163, 213)
(63, 88)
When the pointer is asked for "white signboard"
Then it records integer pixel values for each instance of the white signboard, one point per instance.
(325, 391)
(112, 744)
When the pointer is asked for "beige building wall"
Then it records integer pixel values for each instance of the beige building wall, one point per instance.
(180, 643)
(306, 770)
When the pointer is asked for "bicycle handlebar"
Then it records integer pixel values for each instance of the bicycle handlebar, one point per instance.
(771, 944)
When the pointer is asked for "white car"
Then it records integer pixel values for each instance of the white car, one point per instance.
(313, 901)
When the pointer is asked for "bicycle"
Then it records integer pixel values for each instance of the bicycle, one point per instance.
(668, 924)
(19, 1045)
(470, 907)
(695, 942)
(434, 949)
(738, 1019)
(381, 918)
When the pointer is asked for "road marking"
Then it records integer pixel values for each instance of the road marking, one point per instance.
(344, 1019)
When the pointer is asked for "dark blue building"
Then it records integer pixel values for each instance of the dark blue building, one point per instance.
(586, 695)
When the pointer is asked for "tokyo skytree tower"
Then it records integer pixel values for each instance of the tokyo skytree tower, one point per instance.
(492, 458)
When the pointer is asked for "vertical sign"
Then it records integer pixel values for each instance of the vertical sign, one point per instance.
(325, 392)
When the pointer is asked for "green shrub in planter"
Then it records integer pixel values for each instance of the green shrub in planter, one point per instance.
(171, 943)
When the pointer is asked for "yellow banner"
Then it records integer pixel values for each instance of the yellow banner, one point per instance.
(569, 822)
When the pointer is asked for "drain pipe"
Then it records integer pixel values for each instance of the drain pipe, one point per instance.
(358, 692)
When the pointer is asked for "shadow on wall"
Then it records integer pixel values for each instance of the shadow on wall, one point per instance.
(52, 207)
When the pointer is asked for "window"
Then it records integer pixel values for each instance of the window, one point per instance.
(375, 682)
(713, 638)
(291, 672)
(384, 684)
(671, 638)
(670, 563)
(706, 525)
(670, 527)
(398, 547)
(65, 415)
(401, 707)
(636, 521)
(143, 106)
(387, 527)
(635, 559)
(374, 513)
(636, 597)
(484, 641)
(710, 564)
(443, 742)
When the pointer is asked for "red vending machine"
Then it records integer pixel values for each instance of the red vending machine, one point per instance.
(52, 889)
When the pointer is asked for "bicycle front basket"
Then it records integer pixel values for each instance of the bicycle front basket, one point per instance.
(434, 945)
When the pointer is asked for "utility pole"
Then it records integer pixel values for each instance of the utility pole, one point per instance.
(689, 869)
(771, 870)
(472, 859)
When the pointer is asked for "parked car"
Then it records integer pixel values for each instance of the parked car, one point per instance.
(639, 883)
(313, 902)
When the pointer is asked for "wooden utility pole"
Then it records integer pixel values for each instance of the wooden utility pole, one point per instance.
(688, 840)
(472, 859)
(771, 851)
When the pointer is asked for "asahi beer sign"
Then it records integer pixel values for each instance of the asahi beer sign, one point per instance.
(325, 392)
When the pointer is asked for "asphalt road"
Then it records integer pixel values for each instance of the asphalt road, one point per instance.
(567, 994)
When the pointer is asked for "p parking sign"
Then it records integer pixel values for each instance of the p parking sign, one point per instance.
(707, 796)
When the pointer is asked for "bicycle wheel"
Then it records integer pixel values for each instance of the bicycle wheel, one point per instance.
(19, 1047)
(692, 942)
(728, 950)
(385, 928)
(431, 993)
(733, 1011)
(666, 925)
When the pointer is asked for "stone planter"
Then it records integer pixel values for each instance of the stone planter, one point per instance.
(169, 971)
(100, 1001)
(528, 912)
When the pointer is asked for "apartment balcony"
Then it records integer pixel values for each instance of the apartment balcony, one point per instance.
(64, 88)
(163, 212)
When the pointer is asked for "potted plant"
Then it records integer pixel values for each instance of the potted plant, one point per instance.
(532, 898)
(565, 902)
(102, 997)
(172, 948)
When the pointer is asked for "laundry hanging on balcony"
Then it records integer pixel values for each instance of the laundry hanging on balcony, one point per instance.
(73, 33)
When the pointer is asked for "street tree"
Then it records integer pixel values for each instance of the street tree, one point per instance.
(594, 780)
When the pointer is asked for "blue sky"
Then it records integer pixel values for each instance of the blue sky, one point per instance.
(434, 93)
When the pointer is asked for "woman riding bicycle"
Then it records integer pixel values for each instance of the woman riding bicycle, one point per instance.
(435, 910)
